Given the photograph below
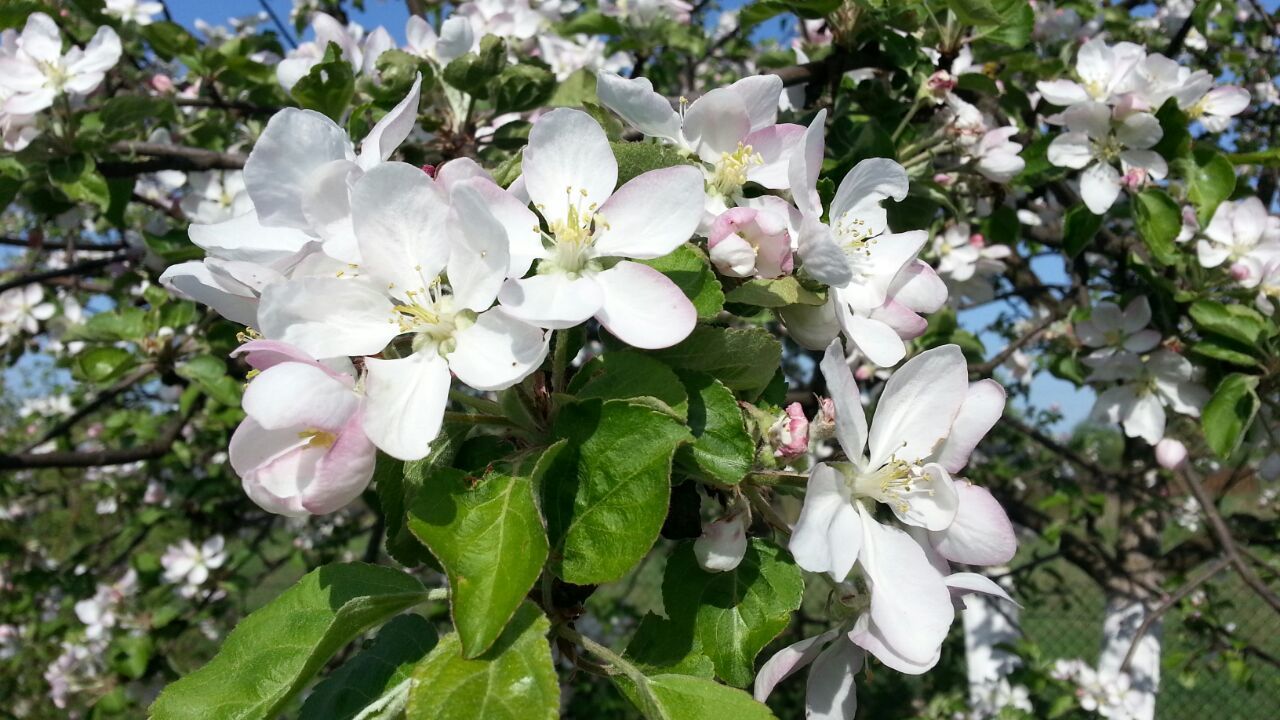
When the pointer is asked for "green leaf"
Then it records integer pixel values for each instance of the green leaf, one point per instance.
(173, 247)
(398, 484)
(368, 676)
(761, 10)
(744, 359)
(127, 323)
(1237, 322)
(1210, 179)
(592, 22)
(129, 655)
(1226, 350)
(522, 87)
(1229, 413)
(733, 614)
(626, 374)
(397, 70)
(169, 40)
(1078, 228)
(472, 72)
(1017, 21)
(1175, 139)
(576, 90)
(78, 178)
(687, 266)
(105, 363)
(1263, 158)
(974, 12)
(637, 158)
(722, 449)
(125, 110)
(490, 540)
(328, 87)
(210, 373)
(779, 292)
(272, 654)
(1159, 221)
(606, 494)
(682, 697)
(514, 680)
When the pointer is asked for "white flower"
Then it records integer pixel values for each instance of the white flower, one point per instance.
(645, 12)
(359, 50)
(22, 309)
(188, 565)
(1148, 385)
(135, 11)
(409, 237)
(964, 255)
(1158, 78)
(1117, 334)
(456, 39)
(996, 156)
(570, 173)
(569, 55)
(99, 613)
(511, 19)
(1103, 71)
(723, 542)
(1095, 140)
(39, 71)
(1241, 232)
(216, 196)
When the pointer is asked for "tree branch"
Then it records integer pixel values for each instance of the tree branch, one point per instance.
(96, 458)
(167, 157)
(83, 266)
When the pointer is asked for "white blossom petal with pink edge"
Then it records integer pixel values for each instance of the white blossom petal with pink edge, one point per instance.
(554, 301)
(876, 340)
(982, 407)
(387, 134)
(830, 693)
(651, 215)
(716, 123)
(521, 224)
(245, 238)
(568, 162)
(1099, 187)
(869, 183)
(919, 405)
(733, 256)
(401, 222)
(822, 258)
(343, 472)
(919, 288)
(967, 583)
(295, 144)
(263, 354)
(851, 420)
(497, 351)
(274, 466)
(805, 165)
(911, 607)
(328, 317)
(480, 253)
(886, 256)
(292, 393)
(759, 96)
(774, 145)
(194, 281)
(1062, 92)
(722, 544)
(643, 308)
(636, 102)
(405, 401)
(1225, 101)
(904, 321)
(828, 535)
(981, 533)
(787, 662)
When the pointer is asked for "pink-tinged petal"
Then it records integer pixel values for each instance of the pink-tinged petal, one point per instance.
(523, 237)
(643, 308)
(497, 352)
(812, 327)
(716, 123)
(344, 472)
(328, 317)
(774, 145)
(651, 215)
(919, 405)
(1171, 454)
(879, 342)
(904, 321)
(787, 661)
(273, 466)
(387, 134)
(981, 533)
(294, 146)
(982, 407)
(830, 693)
(828, 534)
(869, 183)
(404, 406)
(568, 162)
(1225, 101)
(263, 354)
(918, 288)
(759, 96)
(480, 253)
(966, 583)
(733, 256)
(884, 261)
(851, 420)
(1099, 187)
(911, 607)
(554, 301)
(636, 102)
(401, 224)
(804, 167)
(459, 170)
(299, 394)
(868, 636)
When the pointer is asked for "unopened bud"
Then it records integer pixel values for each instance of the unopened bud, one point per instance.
(1171, 454)
(823, 426)
(977, 240)
(723, 543)
(789, 435)
(430, 170)
(940, 83)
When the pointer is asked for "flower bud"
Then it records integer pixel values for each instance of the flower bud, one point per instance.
(789, 435)
(723, 543)
(162, 83)
(1171, 454)
(744, 242)
(823, 426)
(977, 240)
(940, 83)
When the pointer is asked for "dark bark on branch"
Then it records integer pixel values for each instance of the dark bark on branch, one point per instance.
(167, 157)
(84, 266)
(107, 456)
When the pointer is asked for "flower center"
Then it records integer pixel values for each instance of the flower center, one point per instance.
(429, 314)
(316, 438)
(730, 173)
(570, 238)
(889, 484)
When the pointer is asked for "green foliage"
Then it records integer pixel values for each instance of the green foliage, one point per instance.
(1229, 413)
(681, 697)
(329, 85)
(273, 653)
(472, 72)
(776, 293)
(1159, 221)
(744, 359)
(689, 268)
(373, 673)
(1210, 180)
(1078, 229)
(522, 87)
(722, 450)
(637, 158)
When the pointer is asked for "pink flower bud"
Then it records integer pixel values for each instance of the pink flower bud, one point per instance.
(863, 373)
(944, 179)
(1134, 178)
(977, 240)
(1170, 454)
(823, 426)
(789, 435)
(162, 83)
(940, 83)
(430, 170)
(746, 242)
(1240, 272)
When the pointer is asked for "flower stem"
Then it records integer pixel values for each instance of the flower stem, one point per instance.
(560, 361)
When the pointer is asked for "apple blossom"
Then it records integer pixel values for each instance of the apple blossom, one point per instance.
(359, 50)
(967, 262)
(1115, 333)
(790, 433)
(1148, 385)
(456, 39)
(187, 564)
(216, 196)
(22, 309)
(136, 11)
(583, 271)
(1240, 232)
(1171, 454)
(1096, 139)
(746, 242)
(1104, 73)
(995, 155)
(39, 71)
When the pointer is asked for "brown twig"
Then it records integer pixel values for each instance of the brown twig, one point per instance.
(73, 269)
(95, 458)
(167, 157)
(1156, 613)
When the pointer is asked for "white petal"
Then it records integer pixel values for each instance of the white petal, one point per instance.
(387, 134)
(553, 301)
(244, 238)
(851, 420)
(1062, 92)
(294, 145)
(1072, 150)
(639, 105)
(869, 183)
(497, 352)
(715, 123)
(812, 327)
(966, 583)
(643, 308)
(328, 317)
(400, 219)
(193, 280)
(294, 393)
(326, 204)
(1091, 118)
(788, 661)
(1099, 187)
(40, 38)
(1145, 419)
(523, 236)
(722, 544)
(879, 342)
(983, 405)
(805, 165)
(828, 534)
(651, 215)
(822, 258)
(1226, 101)
(830, 693)
(405, 403)
(480, 257)
(919, 288)
(759, 95)
(981, 533)
(919, 405)
(568, 162)
(1139, 131)
(932, 501)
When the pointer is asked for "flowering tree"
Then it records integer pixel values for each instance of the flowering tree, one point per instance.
(404, 358)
